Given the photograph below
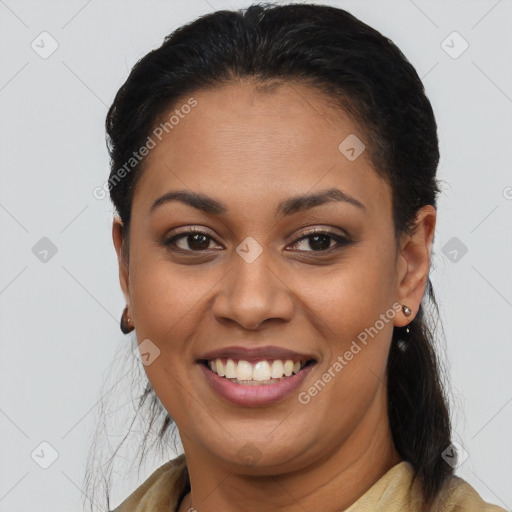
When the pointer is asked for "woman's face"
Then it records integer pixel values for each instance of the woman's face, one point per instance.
(257, 285)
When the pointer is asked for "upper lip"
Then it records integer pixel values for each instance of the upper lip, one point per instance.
(254, 354)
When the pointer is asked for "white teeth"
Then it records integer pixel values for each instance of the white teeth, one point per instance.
(230, 369)
(277, 369)
(244, 370)
(260, 372)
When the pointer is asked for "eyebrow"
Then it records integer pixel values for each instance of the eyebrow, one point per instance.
(290, 206)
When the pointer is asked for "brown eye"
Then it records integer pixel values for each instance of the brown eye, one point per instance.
(198, 242)
(320, 241)
(190, 241)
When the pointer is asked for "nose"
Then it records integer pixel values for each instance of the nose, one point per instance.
(253, 293)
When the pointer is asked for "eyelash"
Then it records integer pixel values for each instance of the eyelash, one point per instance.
(341, 240)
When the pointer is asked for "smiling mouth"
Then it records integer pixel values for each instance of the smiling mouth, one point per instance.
(257, 373)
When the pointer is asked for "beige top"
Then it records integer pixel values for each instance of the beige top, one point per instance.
(394, 491)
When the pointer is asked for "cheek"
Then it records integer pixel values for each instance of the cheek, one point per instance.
(163, 303)
(163, 295)
(349, 297)
(352, 307)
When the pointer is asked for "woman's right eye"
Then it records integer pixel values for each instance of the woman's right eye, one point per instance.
(192, 241)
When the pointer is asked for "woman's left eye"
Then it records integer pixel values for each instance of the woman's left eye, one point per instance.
(318, 241)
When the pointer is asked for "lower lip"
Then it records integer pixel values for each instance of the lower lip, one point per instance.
(254, 395)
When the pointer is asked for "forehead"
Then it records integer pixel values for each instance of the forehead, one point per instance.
(241, 142)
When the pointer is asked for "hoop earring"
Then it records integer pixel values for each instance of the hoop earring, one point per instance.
(125, 323)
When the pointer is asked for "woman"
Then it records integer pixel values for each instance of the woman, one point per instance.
(274, 176)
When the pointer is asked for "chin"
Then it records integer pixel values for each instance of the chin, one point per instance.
(256, 454)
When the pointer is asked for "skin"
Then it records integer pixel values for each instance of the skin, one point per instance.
(251, 149)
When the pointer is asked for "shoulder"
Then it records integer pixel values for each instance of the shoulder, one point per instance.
(400, 489)
(459, 496)
(160, 490)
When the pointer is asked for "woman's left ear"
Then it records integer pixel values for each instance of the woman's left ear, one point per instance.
(413, 264)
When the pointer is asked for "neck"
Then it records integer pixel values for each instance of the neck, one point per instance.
(331, 483)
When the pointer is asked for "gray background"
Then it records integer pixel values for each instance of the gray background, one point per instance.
(59, 312)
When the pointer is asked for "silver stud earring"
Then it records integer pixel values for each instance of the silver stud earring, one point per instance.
(403, 342)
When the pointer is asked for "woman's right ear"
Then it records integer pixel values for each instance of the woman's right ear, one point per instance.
(117, 237)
